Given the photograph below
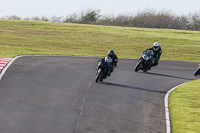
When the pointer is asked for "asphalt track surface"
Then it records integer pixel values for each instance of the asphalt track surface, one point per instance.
(57, 94)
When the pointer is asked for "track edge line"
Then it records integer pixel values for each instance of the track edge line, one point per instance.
(167, 113)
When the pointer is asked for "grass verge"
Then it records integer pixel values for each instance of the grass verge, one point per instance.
(184, 104)
(34, 38)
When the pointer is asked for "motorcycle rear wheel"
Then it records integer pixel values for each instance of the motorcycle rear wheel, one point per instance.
(145, 70)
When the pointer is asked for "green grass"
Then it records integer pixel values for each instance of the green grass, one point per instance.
(33, 38)
(185, 108)
(46, 38)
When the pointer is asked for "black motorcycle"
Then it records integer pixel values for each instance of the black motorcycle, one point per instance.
(145, 62)
(197, 72)
(103, 69)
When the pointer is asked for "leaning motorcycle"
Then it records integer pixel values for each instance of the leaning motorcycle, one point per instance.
(103, 69)
(145, 62)
(197, 72)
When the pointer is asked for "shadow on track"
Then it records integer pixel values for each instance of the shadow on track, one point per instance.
(170, 76)
(132, 87)
(138, 88)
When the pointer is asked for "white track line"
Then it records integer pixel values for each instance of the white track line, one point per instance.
(167, 115)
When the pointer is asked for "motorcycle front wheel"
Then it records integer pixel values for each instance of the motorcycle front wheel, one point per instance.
(197, 72)
(137, 66)
(98, 75)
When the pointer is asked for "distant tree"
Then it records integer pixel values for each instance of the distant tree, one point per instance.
(145, 18)
(27, 18)
(195, 21)
(44, 18)
(163, 20)
(91, 16)
(13, 17)
(106, 20)
(181, 22)
(121, 20)
(56, 19)
(36, 18)
(73, 18)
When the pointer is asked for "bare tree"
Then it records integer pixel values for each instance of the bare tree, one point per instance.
(36, 18)
(73, 18)
(195, 21)
(13, 17)
(57, 19)
(106, 20)
(44, 18)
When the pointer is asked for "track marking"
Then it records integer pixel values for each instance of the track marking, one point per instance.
(167, 113)
(3, 62)
(10, 61)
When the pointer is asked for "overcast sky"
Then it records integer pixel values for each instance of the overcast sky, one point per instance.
(28, 8)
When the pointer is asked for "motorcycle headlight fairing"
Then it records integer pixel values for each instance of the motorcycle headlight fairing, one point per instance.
(144, 56)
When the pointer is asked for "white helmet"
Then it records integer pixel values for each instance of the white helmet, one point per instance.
(156, 44)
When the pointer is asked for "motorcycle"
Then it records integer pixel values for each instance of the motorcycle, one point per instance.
(103, 69)
(145, 62)
(197, 72)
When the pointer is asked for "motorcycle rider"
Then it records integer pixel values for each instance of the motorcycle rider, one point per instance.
(157, 52)
(113, 56)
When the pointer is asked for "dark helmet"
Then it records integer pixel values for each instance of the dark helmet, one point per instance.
(111, 53)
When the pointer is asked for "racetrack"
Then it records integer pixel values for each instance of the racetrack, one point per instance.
(57, 94)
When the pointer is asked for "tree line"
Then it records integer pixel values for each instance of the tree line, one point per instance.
(148, 18)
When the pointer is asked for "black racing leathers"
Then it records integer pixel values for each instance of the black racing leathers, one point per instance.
(114, 60)
(114, 63)
(157, 53)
